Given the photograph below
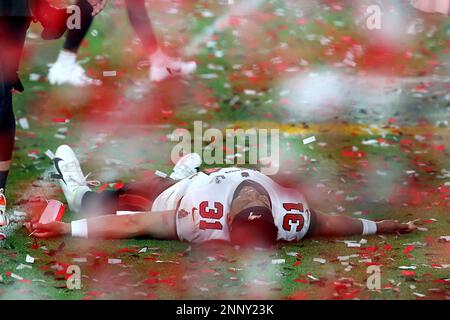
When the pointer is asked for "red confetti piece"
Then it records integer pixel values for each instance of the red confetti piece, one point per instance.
(102, 187)
(408, 273)
(297, 263)
(408, 250)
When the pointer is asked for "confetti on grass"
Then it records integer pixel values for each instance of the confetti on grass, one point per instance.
(278, 261)
(112, 73)
(309, 140)
(29, 259)
(320, 260)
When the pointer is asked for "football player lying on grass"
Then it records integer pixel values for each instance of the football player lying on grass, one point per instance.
(241, 206)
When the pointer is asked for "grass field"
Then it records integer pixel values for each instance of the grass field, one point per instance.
(383, 154)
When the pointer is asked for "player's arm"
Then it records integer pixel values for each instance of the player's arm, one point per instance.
(158, 225)
(97, 6)
(325, 225)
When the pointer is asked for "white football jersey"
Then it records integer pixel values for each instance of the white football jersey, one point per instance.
(204, 201)
(169, 198)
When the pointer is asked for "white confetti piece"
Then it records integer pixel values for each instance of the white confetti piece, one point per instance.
(312, 277)
(29, 259)
(278, 261)
(15, 276)
(320, 260)
(143, 250)
(126, 213)
(343, 258)
(407, 267)
(309, 140)
(23, 266)
(80, 260)
(418, 294)
(111, 73)
(19, 213)
(249, 92)
(114, 261)
(263, 283)
(292, 254)
(50, 154)
(365, 260)
(208, 76)
(160, 174)
(34, 77)
(23, 122)
(353, 245)
(60, 136)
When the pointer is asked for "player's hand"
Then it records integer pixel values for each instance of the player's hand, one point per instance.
(51, 230)
(393, 226)
(97, 5)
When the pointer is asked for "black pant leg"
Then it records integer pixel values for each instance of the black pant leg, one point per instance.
(140, 21)
(12, 38)
(74, 37)
(134, 196)
(7, 122)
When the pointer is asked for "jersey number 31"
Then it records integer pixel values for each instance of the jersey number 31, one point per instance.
(292, 219)
(215, 213)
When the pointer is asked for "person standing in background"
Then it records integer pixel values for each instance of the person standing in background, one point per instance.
(432, 6)
(66, 70)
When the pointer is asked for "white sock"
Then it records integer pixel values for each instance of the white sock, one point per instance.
(66, 57)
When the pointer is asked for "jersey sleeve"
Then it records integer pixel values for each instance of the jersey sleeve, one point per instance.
(293, 220)
(200, 218)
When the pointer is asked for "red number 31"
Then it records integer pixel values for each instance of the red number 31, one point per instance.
(215, 213)
(292, 219)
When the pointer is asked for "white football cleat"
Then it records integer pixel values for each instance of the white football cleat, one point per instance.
(4, 221)
(186, 166)
(72, 181)
(70, 73)
(163, 67)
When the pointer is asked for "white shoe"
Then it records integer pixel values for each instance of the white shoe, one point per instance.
(72, 181)
(70, 73)
(163, 67)
(4, 221)
(186, 166)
